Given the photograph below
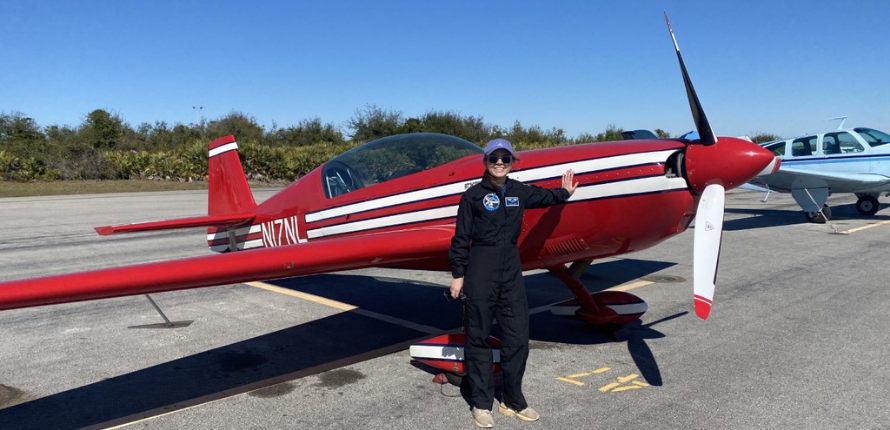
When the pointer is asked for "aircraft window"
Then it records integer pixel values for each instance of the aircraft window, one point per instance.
(873, 137)
(777, 148)
(392, 157)
(840, 143)
(803, 147)
(830, 145)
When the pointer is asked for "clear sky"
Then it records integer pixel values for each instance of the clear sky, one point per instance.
(781, 67)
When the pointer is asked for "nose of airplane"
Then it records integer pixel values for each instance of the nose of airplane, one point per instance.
(730, 162)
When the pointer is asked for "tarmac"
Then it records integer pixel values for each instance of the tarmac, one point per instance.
(797, 337)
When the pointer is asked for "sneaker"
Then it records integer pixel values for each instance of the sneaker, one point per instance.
(527, 414)
(483, 418)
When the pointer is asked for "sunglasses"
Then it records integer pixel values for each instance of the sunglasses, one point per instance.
(493, 159)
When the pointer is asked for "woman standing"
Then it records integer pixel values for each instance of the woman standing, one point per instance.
(485, 264)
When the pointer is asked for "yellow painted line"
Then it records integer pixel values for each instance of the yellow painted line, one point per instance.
(853, 230)
(348, 308)
(630, 377)
(642, 384)
(570, 381)
(601, 370)
(605, 388)
(629, 387)
(628, 287)
(305, 296)
(578, 375)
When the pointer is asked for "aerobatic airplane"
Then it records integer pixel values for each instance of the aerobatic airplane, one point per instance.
(855, 160)
(393, 202)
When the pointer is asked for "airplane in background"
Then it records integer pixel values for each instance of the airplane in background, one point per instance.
(392, 203)
(814, 166)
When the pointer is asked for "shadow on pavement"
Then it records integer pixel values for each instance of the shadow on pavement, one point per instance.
(317, 346)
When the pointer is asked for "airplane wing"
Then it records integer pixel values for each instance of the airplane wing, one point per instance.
(790, 178)
(328, 255)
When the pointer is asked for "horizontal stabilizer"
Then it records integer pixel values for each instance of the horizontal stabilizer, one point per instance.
(198, 221)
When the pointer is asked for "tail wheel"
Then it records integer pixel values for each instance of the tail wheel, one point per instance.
(867, 205)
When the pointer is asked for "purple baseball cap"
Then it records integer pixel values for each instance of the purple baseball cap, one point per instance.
(496, 144)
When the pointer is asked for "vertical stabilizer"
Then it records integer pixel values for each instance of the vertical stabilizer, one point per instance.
(228, 189)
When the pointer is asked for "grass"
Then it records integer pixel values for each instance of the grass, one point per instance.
(56, 188)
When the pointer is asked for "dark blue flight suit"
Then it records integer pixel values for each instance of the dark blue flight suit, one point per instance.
(484, 252)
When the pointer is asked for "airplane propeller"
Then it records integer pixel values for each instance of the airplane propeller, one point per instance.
(709, 214)
(707, 136)
(706, 245)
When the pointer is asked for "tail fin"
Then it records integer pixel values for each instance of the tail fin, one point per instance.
(228, 190)
(229, 201)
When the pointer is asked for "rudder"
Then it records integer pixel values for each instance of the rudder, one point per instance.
(228, 191)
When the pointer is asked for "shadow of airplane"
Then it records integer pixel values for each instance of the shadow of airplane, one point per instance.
(306, 349)
(762, 218)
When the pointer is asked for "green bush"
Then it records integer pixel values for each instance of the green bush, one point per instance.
(104, 146)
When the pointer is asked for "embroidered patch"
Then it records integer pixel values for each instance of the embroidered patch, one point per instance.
(491, 202)
(512, 202)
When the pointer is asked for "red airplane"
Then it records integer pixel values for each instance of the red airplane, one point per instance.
(392, 203)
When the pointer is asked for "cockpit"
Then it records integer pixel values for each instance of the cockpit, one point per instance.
(392, 157)
(873, 137)
(834, 143)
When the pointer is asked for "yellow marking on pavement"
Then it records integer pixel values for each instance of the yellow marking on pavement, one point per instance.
(628, 287)
(601, 370)
(605, 388)
(578, 383)
(305, 296)
(348, 308)
(578, 375)
(629, 387)
(630, 377)
(642, 384)
(853, 230)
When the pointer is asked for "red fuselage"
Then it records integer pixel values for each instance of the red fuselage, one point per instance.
(632, 195)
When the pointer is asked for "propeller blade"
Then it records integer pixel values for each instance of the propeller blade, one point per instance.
(706, 135)
(708, 234)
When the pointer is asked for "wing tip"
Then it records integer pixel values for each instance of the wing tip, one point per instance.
(104, 230)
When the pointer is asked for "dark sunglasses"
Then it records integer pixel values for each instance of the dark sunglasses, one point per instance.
(493, 159)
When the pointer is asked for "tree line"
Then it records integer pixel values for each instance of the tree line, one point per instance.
(104, 146)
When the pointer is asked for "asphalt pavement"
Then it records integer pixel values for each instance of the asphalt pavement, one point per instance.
(797, 337)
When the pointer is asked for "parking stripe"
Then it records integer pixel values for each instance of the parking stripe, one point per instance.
(853, 230)
(347, 308)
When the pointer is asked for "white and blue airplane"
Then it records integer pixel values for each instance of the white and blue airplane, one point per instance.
(815, 166)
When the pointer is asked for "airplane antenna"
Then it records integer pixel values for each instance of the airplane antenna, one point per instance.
(842, 118)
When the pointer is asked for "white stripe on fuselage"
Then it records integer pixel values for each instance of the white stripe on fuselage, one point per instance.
(653, 184)
(530, 175)
(224, 234)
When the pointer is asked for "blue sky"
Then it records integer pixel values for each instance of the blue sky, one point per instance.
(781, 67)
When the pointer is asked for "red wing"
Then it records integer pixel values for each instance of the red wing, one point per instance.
(198, 221)
(328, 255)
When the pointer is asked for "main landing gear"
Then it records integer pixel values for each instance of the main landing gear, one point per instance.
(867, 205)
(607, 310)
(604, 309)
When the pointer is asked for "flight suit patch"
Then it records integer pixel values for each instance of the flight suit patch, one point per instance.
(491, 202)
(512, 202)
